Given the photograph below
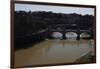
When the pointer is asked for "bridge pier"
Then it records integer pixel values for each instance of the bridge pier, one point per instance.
(78, 36)
(64, 35)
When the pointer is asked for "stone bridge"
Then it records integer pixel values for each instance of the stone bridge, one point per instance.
(78, 32)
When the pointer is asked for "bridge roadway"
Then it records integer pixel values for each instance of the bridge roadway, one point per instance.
(69, 30)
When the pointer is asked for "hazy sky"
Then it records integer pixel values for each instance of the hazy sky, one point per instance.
(55, 9)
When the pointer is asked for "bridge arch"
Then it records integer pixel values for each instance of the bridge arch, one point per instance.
(84, 35)
(71, 35)
(57, 35)
(64, 35)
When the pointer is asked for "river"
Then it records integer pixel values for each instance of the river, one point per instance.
(52, 51)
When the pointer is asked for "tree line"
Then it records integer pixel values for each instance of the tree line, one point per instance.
(30, 22)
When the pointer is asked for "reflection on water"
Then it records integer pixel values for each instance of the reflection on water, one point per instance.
(52, 51)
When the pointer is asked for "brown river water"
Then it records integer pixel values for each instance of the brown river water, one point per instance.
(52, 52)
